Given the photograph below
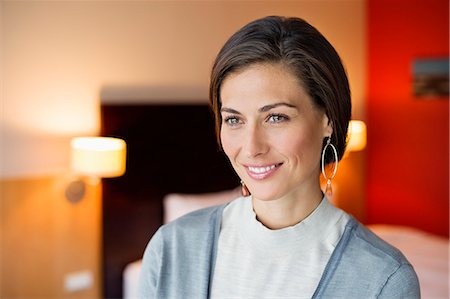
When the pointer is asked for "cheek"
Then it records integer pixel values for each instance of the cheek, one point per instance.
(228, 144)
(301, 143)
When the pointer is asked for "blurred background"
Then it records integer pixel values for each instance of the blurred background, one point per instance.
(60, 60)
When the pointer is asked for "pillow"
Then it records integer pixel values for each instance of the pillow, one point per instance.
(176, 205)
(131, 280)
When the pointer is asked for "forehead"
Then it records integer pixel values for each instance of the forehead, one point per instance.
(263, 83)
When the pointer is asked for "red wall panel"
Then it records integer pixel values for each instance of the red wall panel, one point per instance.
(408, 137)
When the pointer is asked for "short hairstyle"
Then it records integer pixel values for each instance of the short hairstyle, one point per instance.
(303, 50)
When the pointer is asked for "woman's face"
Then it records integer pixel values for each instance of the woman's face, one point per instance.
(271, 132)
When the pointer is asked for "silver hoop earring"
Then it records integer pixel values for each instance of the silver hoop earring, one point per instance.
(328, 189)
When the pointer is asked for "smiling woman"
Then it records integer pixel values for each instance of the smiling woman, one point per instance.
(281, 98)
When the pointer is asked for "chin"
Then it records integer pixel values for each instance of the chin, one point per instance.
(267, 195)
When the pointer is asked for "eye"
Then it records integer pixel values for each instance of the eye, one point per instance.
(277, 118)
(231, 121)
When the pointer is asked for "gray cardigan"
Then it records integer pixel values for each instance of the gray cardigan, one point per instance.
(179, 262)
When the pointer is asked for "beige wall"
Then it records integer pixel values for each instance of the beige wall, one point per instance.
(58, 58)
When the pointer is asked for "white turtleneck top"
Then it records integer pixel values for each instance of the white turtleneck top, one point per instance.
(256, 262)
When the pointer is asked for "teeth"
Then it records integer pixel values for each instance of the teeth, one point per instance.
(261, 169)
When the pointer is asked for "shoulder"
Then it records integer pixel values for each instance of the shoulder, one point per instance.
(186, 243)
(360, 249)
(362, 244)
(195, 221)
(194, 228)
(387, 269)
(374, 245)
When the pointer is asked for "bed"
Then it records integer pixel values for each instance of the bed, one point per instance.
(428, 253)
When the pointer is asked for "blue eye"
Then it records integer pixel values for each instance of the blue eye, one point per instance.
(231, 120)
(277, 118)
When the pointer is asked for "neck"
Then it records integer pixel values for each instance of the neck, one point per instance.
(288, 210)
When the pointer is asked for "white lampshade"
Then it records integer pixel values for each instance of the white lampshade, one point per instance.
(357, 136)
(98, 156)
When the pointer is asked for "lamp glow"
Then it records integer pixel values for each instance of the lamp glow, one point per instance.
(357, 136)
(98, 156)
(95, 157)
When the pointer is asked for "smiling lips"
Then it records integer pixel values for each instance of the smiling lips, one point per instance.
(261, 172)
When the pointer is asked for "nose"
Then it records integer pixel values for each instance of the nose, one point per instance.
(255, 143)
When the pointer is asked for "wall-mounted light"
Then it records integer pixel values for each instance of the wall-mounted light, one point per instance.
(357, 136)
(94, 157)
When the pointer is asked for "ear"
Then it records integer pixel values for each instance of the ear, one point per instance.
(327, 126)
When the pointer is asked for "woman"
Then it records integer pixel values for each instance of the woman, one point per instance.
(281, 101)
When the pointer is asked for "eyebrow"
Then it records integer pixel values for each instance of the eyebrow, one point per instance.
(229, 110)
(262, 109)
(271, 106)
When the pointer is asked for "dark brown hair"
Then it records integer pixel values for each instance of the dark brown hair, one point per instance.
(305, 51)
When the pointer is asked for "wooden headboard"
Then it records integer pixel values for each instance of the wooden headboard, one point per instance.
(170, 149)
